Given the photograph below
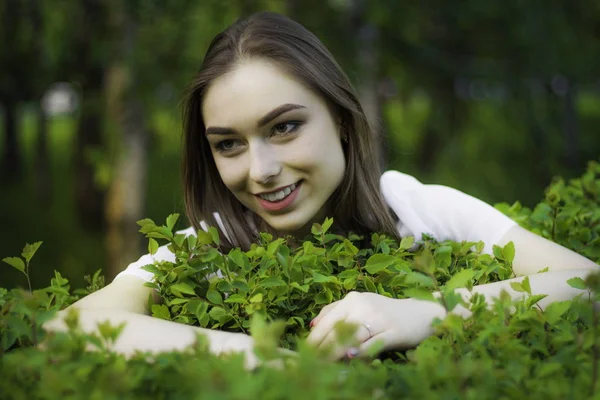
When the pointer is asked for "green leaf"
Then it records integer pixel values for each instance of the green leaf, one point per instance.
(29, 250)
(172, 220)
(419, 294)
(183, 288)
(577, 283)
(443, 256)
(462, 279)
(497, 250)
(508, 252)
(146, 223)
(526, 285)
(217, 313)
(214, 234)
(15, 262)
(272, 281)
(257, 298)
(237, 257)
(420, 279)
(161, 311)
(378, 262)
(236, 298)
(198, 307)
(214, 297)
(320, 278)
(316, 229)
(327, 224)
(152, 246)
(518, 287)
(555, 310)
(534, 299)
(407, 242)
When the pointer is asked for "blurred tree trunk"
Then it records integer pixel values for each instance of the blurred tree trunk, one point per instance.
(367, 56)
(126, 193)
(43, 176)
(89, 73)
(11, 160)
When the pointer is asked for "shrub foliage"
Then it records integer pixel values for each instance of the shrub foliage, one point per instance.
(505, 349)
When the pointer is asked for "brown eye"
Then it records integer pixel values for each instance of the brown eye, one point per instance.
(285, 128)
(227, 145)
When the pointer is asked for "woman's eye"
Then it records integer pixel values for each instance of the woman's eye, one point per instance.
(285, 128)
(228, 145)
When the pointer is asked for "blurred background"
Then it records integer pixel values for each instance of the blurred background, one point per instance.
(493, 98)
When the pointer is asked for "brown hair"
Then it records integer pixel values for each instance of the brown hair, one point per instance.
(356, 205)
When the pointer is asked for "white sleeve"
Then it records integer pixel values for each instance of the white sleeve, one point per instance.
(162, 254)
(442, 212)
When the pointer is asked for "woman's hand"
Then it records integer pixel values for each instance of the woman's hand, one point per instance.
(398, 323)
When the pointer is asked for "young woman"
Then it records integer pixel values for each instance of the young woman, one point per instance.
(275, 139)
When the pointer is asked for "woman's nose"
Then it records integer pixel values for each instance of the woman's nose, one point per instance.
(264, 164)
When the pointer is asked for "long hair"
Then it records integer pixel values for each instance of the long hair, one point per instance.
(356, 205)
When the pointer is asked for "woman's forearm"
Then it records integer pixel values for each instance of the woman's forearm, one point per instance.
(148, 334)
(553, 284)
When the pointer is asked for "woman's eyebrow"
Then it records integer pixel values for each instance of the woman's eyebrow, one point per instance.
(270, 116)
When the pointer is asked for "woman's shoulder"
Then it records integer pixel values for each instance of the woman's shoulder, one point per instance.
(444, 212)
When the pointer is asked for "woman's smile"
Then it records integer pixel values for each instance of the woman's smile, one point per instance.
(281, 199)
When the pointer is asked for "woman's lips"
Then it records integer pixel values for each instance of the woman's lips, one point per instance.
(282, 204)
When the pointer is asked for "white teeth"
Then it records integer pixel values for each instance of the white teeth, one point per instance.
(279, 195)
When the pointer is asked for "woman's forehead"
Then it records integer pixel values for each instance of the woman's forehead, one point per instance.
(251, 90)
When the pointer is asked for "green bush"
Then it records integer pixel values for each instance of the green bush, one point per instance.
(510, 349)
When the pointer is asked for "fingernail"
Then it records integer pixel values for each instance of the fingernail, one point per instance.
(353, 352)
(312, 323)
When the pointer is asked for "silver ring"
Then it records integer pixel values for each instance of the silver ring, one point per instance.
(368, 329)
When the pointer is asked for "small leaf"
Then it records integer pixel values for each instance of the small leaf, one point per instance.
(257, 298)
(320, 278)
(497, 250)
(419, 294)
(29, 250)
(534, 299)
(15, 262)
(171, 220)
(407, 242)
(526, 286)
(508, 252)
(555, 310)
(161, 311)
(183, 288)
(316, 229)
(214, 297)
(462, 279)
(214, 233)
(379, 262)
(517, 287)
(577, 283)
(217, 313)
(273, 281)
(236, 298)
(152, 246)
(327, 224)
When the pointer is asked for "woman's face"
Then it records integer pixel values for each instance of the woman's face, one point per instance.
(276, 145)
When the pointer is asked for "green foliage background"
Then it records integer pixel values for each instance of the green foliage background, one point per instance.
(491, 99)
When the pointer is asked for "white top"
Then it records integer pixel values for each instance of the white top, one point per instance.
(440, 211)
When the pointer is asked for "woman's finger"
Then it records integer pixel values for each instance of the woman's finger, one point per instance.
(324, 311)
(324, 325)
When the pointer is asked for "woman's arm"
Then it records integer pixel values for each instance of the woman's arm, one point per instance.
(124, 301)
(533, 253)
